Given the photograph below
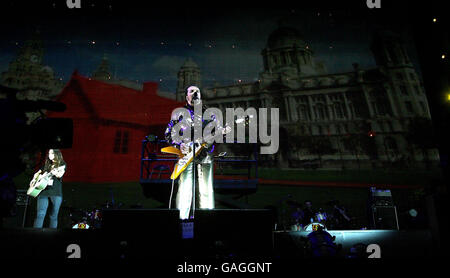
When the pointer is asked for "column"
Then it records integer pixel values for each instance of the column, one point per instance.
(366, 97)
(287, 109)
(293, 108)
(311, 108)
(391, 102)
(329, 108)
(347, 107)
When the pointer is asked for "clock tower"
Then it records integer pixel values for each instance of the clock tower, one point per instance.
(28, 75)
(32, 51)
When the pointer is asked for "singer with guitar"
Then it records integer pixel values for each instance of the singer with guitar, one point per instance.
(50, 188)
(203, 164)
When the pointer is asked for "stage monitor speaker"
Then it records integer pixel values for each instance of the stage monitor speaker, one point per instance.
(20, 212)
(385, 217)
(140, 220)
(237, 232)
(143, 232)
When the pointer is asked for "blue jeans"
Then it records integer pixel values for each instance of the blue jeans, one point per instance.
(42, 205)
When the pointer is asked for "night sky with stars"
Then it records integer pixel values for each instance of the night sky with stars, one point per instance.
(145, 44)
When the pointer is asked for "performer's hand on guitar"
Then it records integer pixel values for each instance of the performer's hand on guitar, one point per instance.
(226, 129)
(184, 148)
(36, 174)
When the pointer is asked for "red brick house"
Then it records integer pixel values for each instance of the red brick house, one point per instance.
(110, 121)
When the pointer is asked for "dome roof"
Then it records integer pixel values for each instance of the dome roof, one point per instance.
(47, 69)
(285, 37)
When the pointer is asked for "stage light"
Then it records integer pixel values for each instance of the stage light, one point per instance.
(434, 19)
(443, 56)
(412, 212)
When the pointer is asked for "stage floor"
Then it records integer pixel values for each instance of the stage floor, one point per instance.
(392, 243)
(101, 244)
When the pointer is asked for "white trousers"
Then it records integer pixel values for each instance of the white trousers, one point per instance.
(205, 188)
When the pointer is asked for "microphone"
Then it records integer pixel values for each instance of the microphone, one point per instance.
(195, 97)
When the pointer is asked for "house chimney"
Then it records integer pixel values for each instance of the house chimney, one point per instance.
(150, 88)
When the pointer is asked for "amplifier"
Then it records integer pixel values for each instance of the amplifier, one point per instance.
(18, 220)
(22, 198)
(381, 197)
(384, 217)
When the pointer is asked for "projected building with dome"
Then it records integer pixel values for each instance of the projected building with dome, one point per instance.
(360, 118)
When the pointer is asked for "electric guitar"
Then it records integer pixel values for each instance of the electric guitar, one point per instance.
(39, 182)
(185, 159)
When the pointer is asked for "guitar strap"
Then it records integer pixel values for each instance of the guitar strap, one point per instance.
(171, 195)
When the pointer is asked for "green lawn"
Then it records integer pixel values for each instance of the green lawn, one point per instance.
(377, 176)
(89, 196)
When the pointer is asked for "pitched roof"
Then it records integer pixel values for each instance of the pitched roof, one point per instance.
(116, 103)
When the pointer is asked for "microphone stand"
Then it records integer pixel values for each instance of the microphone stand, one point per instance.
(194, 177)
(194, 164)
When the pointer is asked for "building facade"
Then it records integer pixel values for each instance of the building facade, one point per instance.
(29, 76)
(353, 119)
(31, 79)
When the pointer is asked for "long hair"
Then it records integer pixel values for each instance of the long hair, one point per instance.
(59, 161)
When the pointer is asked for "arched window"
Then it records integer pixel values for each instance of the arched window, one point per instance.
(303, 112)
(339, 112)
(321, 112)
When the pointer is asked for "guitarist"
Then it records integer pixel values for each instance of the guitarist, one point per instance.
(204, 164)
(54, 164)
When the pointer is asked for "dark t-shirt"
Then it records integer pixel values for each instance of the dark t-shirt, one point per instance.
(53, 190)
